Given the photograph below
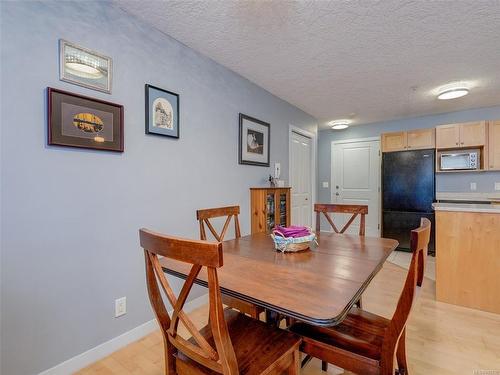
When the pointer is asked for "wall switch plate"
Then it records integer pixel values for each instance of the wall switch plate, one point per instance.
(120, 306)
(473, 186)
(325, 184)
(497, 186)
(277, 170)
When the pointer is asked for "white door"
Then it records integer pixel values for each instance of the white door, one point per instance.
(356, 180)
(300, 179)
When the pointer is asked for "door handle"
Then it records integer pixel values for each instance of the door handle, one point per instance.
(337, 194)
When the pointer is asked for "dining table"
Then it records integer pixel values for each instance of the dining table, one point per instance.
(317, 286)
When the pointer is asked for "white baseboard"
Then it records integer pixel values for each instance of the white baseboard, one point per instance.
(100, 351)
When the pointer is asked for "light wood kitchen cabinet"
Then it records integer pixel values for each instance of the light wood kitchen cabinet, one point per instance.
(394, 141)
(410, 140)
(469, 134)
(494, 144)
(448, 136)
(473, 134)
(421, 139)
(467, 259)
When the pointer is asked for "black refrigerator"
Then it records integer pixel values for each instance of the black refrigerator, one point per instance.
(408, 191)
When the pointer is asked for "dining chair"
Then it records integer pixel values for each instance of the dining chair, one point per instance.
(366, 343)
(231, 343)
(353, 209)
(203, 216)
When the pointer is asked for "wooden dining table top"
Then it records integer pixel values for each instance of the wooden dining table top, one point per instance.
(316, 286)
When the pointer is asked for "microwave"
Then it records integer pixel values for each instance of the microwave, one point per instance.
(460, 160)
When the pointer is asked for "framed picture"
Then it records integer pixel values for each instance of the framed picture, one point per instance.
(162, 112)
(84, 67)
(80, 121)
(254, 141)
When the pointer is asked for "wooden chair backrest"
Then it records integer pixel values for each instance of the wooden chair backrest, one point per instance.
(200, 254)
(353, 209)
(204, 215)
(419, 241)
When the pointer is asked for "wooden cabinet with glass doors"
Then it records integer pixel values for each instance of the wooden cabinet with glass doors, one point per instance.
(269, 207)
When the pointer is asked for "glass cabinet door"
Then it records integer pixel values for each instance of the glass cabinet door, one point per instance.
(270, 223)
(282, 206)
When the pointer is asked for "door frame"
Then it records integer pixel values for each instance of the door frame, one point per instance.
(332, 175)
(314, 140)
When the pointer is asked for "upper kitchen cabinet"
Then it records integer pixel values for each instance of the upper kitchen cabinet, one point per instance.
(421, 139)
(494, 144)
(448, 136)
(469, 134)
(394, 141)
(411, 140)
(473, 134)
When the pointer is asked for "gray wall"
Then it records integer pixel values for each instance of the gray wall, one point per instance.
(69, 217)
(456, 182)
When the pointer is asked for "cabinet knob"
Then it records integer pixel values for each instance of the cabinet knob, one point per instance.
(456, 143)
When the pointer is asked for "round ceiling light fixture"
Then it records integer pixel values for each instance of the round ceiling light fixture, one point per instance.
(452, 91)
(340, 124)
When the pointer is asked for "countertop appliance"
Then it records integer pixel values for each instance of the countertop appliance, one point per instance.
(408, 191)
(459, 160)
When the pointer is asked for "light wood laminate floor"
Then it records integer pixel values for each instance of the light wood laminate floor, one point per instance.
(442, 339)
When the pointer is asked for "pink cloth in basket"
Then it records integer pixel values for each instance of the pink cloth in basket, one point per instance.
(293, 231)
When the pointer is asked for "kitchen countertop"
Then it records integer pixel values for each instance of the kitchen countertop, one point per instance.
(467, 207)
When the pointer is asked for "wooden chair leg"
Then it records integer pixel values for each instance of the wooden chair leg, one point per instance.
(294, 368)
(169, 358)
(255, 313)
(401, 354)
(306, 360)
(289, 321)
(359, 303)
(324, 366)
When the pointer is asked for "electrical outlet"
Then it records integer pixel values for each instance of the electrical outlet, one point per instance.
(120, 306)
(473, 186)
(277, 170)
(325, 184)
(497, 186)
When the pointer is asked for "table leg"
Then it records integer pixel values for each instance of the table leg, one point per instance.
(272, 318)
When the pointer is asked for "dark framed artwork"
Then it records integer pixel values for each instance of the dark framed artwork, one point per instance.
(254, 145)
(79, 121)
(84, 67)
(162, 112)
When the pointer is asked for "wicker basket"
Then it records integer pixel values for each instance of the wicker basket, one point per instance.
(291, 244)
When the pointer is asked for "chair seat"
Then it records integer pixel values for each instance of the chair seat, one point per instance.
(257, 346)
(360, 333)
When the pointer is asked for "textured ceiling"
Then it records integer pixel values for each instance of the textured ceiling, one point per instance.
(369, 60)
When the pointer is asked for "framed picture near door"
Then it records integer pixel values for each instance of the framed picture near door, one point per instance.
(254, 145)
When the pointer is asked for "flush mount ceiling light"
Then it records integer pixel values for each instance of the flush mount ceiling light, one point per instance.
(452, 91)
(340, 124)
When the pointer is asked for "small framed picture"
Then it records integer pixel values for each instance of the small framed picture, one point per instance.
(84, 67)
(80, 121)
(254, 141)
(162, 112)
